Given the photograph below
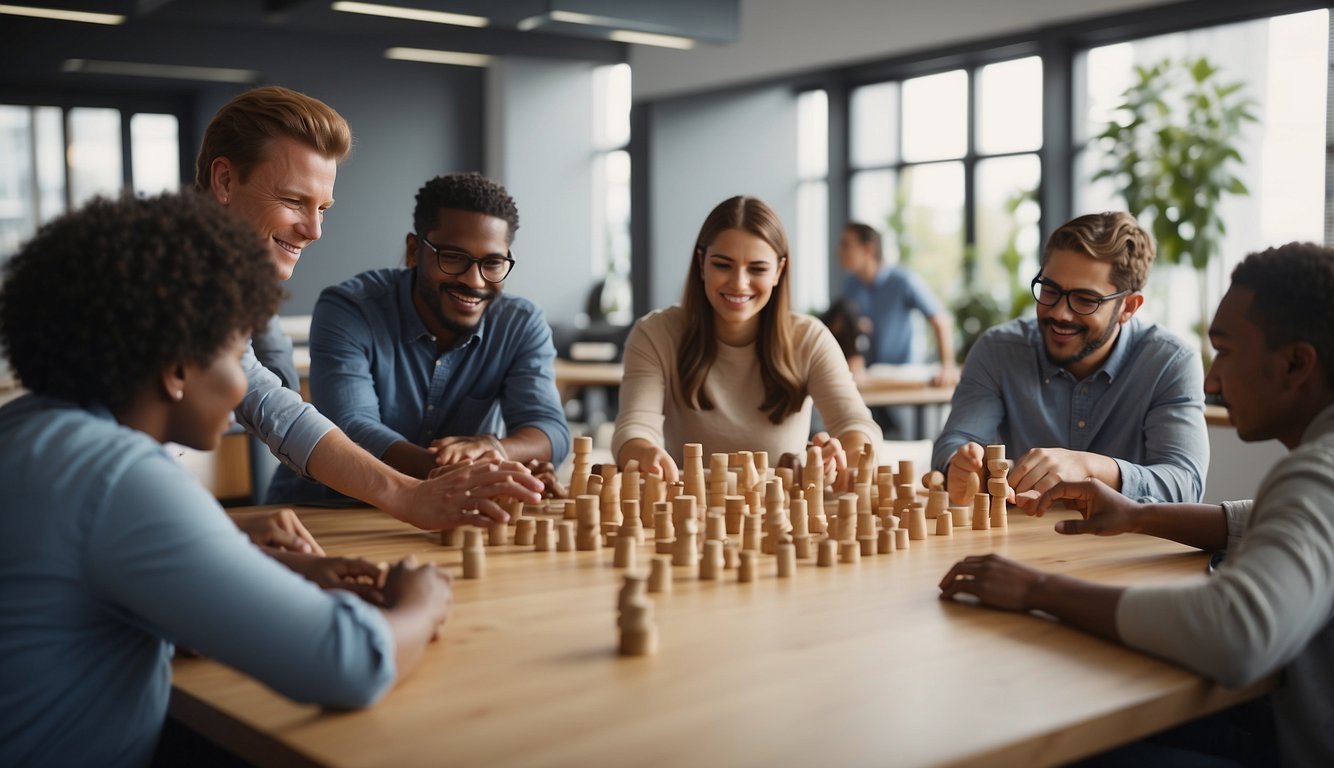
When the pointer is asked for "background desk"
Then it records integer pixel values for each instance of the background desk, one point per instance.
(851, 665)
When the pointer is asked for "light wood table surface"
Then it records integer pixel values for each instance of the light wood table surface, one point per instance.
(852, 665)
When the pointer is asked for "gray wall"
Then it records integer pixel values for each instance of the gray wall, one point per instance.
(704, 150)
(539, 129)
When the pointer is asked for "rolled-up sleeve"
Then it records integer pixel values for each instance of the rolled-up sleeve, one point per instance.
(288, 425)
(529, 397)
(165, 552)
(1176, 440)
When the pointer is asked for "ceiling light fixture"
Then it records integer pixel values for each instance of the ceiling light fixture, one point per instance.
(412, 14)
(429, 56)
(170, 71)
(58, 14)
(650, 38)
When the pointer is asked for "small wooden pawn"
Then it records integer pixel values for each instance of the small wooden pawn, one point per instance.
(961, 516)
(734, 509)
(660, 575)
(474, 554)
(715, 526)
(937, 502)
(885, 541)
(917, 521)
(933, 480)
(945, 524)
(802, 546)
(745, 572)
(632, 524)
(565, 536)
(826, 553)
(981, 512)
(750, 532)
(900, 538)
(730, 555)
(711, 562)
(497, 535)
(664, 533)
(525, 531)
(847, 517)
(449, 537)
(543, 536)
(624, 556)
(787, 560)
(849, 552)
(867, 545)
(684, 548)
(905, 474)
(639, 632)
(997, 486)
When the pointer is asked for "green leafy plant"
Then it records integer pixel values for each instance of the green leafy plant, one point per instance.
(1171, 149)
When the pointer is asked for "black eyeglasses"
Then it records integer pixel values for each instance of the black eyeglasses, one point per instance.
(493, 269)
(1081, 302)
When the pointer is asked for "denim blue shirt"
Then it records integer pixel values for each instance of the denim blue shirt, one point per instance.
(288, 425)
(375, 370)
(1144, 407)
(110, 553)
(889, 302)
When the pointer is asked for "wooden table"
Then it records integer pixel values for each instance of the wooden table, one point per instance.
(852, 665)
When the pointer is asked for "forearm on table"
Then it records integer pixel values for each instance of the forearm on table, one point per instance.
(1203, 526)
(526, 444)
(1083, 604)
(345, 467)
(412, 460)
(413, 627)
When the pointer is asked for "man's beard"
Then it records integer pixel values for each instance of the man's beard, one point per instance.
(454, 326)
(1090, 347)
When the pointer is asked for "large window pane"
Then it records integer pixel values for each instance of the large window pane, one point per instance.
(810, 253)
(933, 224)
(50, 155)
(18, 216)
(94, 153)
(155, 153)
(1007, 226)
(812, 134)
(935, 116)
(611, 94)
(1009, 106)
(872, 198)
(875, 125)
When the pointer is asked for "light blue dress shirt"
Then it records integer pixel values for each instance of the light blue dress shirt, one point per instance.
(109, 553)
(375, 370)
(288, 425)
(1144, 407)
(889, 302)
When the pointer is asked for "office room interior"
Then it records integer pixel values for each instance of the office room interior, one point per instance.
(963, 130)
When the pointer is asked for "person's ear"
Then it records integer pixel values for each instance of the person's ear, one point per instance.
(782, 266)
(410, 243)
(1131, 305)
(172, 381)
(699, 260)
(1301, 362)
(221, 176)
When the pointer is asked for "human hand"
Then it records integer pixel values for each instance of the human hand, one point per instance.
(459, 448)
(1105, 511)
(278, 529)
(835, 460)
(465, 494)
(994, 580)
(947, 377)
(409, 585)
(1042, 468)
(551, 485)
(653, 459)
(353, 574)
(964, 472)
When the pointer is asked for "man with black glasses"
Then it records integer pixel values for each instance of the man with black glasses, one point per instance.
(430, 365)
(1085, 390)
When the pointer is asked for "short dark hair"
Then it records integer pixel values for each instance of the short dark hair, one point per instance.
(1112, 236)
(1290, 284)
(866, 235)
(463, 192)
(102, 298)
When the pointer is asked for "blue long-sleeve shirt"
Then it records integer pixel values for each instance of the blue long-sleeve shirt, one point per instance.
(376, 372)
(889, 302)
(109, 553)
(1144, 407)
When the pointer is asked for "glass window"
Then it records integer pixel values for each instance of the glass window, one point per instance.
(95, 159)
(1009, 106)
(931, 243)
(1007, 226)
(872, 198)
(611, 88)
(610, 254)
(808, 270)
(935, 116)
(18, 217)
(875, 125)
(155, 153)
(812, 134)
(49, 152)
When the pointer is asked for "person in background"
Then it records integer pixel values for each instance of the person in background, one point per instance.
(1085, 389)
(270, 156)
(1267, 608)
(432, 364)
(732, 366)
(852, 331)
(110, 552)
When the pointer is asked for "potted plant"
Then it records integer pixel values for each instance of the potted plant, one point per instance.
(1171, 149)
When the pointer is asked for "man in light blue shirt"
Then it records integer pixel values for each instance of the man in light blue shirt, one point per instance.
(1085, 389)
(432, 364)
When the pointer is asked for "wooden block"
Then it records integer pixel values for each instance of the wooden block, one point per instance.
(905, 473)
(544, 535)
(826, 553)
(798, 519)
(867, 545)
(787, 560)
(885, 541)
(632, 525)
(525, 531)
(933, 480)
(917, 522)
(683, 549)
(711, 562)
(634, 586)
(994, 452)
(750, 533)
(936, 503)
(997, 486)
(715, 526)
(660, 575)
(900, 538)
(624, 556)
(498, 535)
(847, 517)
(961, 516)
(734, 509)
(849, 552)
(565, 536)
(730, 555)
(981, 512)
(802, 546)
(745, 572)
(998, 467)
(474, 554)
(945, 524)
(449, 537)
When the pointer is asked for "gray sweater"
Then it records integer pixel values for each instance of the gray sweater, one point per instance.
(1270, 604)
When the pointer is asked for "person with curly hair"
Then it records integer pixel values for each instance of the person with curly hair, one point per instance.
(432, 364)
(128, 321)
(1085, 389)
(270, 156)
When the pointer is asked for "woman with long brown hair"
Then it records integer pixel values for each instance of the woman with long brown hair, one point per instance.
(732, 366)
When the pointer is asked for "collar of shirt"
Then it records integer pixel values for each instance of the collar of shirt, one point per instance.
(1111, 367)
(414, 329)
